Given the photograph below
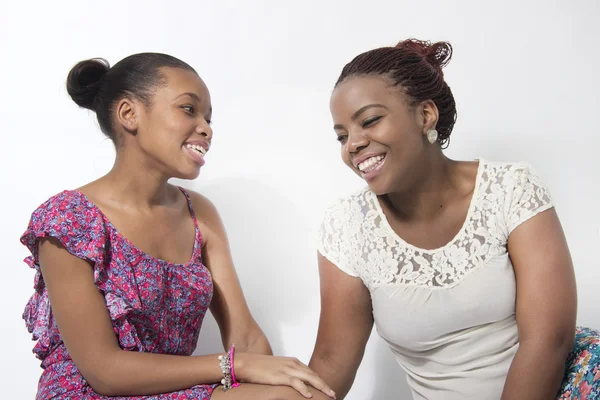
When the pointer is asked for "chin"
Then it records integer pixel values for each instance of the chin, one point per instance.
(379, 188)
(188, 175)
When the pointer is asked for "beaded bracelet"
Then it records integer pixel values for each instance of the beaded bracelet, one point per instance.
(231, 357)
(226, 363)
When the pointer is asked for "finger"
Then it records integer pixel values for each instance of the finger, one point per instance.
(300, 387)
(309, 376)
(318, 383)
(297, 364)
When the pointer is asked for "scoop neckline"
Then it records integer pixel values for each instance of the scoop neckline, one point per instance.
(458, 234)
(197, 237)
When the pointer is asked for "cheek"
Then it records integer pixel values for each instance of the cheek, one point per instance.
(179, 125)
(345, 155)
(168, 131)
(402, 139)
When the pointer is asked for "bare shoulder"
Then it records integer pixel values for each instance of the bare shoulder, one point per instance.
(207, 215)
(203, 207)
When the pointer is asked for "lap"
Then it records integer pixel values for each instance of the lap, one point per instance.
(582, 373)
(248, 391)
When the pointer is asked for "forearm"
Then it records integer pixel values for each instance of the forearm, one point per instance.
(338, 375)
(258, 345)
(127, 373)
(536, 372)
(249, 341)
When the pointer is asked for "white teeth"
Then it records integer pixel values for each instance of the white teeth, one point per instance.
(370, 163)
(198, 149)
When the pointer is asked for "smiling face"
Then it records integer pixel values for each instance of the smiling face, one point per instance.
(383, 138)
(173, 133)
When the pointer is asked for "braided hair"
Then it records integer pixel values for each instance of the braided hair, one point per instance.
(415, 66)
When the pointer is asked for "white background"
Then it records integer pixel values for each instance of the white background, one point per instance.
(524, 74)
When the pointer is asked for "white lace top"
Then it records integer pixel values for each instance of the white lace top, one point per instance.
(448, 314)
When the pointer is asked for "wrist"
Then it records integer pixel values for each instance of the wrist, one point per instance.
(240, 362)
(226, 362)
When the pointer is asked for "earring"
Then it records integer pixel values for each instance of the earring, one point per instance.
(432, 135)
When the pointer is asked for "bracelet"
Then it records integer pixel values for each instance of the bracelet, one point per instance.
(226, 362)
(234, 382)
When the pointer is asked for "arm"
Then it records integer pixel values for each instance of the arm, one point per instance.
(228, 306)
(344, 328)
(79, 309)
(80, 312)
(237, 325)
(546, 308)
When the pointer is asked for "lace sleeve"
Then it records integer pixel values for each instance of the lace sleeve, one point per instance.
(527, 196)
(332, 241)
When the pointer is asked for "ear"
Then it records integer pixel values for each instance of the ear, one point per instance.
(128, 114)
(428, 115)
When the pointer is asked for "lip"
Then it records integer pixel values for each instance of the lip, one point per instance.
(358, 159)
(197, 142)
(369, 176)
(199, 160)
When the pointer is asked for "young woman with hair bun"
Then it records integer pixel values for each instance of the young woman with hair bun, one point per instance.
(128, 265)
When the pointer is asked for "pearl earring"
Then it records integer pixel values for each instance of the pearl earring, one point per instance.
(432, 135)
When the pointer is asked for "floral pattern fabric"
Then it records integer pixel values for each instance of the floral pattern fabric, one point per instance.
(155, 306)
(582, 375)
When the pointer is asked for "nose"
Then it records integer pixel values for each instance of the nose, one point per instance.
(356, 142)
(205, 130)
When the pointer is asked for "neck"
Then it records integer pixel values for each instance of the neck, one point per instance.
(133, 182)
(429, 192)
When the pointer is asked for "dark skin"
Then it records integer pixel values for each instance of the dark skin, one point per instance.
(425, 197)
(152, 214)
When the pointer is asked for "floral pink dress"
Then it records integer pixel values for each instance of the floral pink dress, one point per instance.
(155, 306)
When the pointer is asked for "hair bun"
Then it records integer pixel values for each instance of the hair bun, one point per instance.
(84, 81)
(437, 54)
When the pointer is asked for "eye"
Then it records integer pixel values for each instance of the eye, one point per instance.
(208, 120)
(370, 121)
(342, 138)
(189, 109)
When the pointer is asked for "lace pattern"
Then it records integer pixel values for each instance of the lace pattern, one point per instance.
(356, 236)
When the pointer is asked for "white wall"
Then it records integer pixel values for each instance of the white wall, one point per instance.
(524, 73)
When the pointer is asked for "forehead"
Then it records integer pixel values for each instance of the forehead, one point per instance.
(358, 91)
(179, 81)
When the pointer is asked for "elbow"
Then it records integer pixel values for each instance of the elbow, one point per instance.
(328, 358)
(555, 344)
(333, 364)
(103, 380)
(322, 359)
(563, 340)
(253, 341)
(337, 375)
(102, 384)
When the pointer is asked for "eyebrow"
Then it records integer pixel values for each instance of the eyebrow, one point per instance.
(360, 111)
(191, 94)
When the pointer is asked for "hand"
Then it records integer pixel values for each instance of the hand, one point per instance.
(278, 371)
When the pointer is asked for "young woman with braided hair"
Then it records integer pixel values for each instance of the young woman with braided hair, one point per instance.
(462, 265)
